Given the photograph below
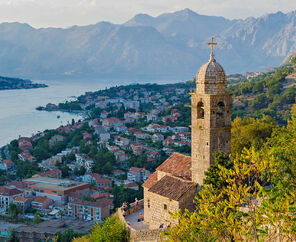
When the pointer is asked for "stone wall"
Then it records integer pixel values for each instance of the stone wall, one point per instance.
(149, 235)
(157, 208)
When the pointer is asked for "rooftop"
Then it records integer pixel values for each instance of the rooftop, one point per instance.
(53, 183)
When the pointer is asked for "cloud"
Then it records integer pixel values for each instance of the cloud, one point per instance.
(62, 13)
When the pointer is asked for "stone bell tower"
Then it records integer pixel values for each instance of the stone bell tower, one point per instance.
(210, 117)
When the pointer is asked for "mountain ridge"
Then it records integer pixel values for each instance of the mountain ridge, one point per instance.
(171, 45)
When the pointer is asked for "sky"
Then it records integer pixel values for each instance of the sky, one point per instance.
(65, 13)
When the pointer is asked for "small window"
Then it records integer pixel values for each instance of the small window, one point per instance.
(220, 110)
(148, 203)
(200, 110)
(165, 207)
(207, 143)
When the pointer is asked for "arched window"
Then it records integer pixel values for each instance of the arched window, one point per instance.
(220, 110)
(200, 111)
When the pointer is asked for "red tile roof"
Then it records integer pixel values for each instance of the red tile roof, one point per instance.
(5, 191)
(167, 185)
(177, 165)
(150, 181)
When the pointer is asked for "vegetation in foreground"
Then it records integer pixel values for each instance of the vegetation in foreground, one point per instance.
(250, 196)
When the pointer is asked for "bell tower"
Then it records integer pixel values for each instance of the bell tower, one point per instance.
(210, 117)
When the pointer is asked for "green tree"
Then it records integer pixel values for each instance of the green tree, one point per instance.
(37, 219)
(14, 210)
(113, 230)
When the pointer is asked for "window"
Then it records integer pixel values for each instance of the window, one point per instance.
(220, 110)
(165, 207)
(200, 110)
(148, 203)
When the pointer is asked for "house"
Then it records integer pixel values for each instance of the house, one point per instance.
(7, 195)
(88, 210)
(132, 186)
(157, 138)
(122, 142)
(157, 128)
(93, 123)
(55, 139)
(168, 141)
(132, 105)
(130, 117)
(151, 117)
(118, 172)
(104, 184)
(17, 184)
(137, 148)
(153, 154)
(26, 156)
(86, 136)
(90, 178)
(142, 135)
(104, 114)
(112, 122)
(120, 155)
(136, 174)
(42, 203)
(103, 134)
(7, 165)
(56, 173)
(23, 202)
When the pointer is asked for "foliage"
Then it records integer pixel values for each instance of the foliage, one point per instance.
(67, 235)
(14, 210)
(113, 230)
(244, 209)
(37, 219)
(250, 132)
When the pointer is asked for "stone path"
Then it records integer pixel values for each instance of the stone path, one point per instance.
(132, 220)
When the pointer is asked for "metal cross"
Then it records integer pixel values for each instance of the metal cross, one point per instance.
(212, 45)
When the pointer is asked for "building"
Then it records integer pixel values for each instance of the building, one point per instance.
(88, 210)
(56, 173)
(23, 202)
(48, 229)
(7, 195)
(42, 203)
(136, 174)
(56, 189)
(176, 181)
(7, 165)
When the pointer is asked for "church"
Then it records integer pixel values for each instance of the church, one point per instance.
(176, 181)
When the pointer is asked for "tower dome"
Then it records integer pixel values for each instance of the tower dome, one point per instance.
(211, 77)
(211, 72)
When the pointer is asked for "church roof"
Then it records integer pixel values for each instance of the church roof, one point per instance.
(177, 165)
(171, 187)
(151, 180)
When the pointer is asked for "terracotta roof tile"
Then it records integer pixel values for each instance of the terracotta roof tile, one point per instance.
(150, 181)
(177, 165)
(167, 185)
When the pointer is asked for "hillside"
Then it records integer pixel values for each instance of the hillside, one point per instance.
(7, 83)
(170, 46)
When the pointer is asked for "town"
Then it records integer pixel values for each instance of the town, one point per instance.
(86, 169)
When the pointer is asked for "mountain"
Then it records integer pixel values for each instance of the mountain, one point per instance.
(172, 45)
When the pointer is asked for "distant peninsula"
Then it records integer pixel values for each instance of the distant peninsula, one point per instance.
(8, 83)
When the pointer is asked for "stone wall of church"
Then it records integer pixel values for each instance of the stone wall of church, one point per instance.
(157, 208)
(187, 200)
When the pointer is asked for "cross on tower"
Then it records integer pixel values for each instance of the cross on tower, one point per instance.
(212, 43)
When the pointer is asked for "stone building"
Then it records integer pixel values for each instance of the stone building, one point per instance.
(174, 184)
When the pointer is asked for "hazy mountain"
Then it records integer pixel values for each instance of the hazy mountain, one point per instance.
(170, 45)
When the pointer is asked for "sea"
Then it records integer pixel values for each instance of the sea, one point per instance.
(18, 114)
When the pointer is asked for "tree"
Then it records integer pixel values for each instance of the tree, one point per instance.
(112, 230)
(245, 209)
(14, 210)
(37, 219)
(251, 132)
